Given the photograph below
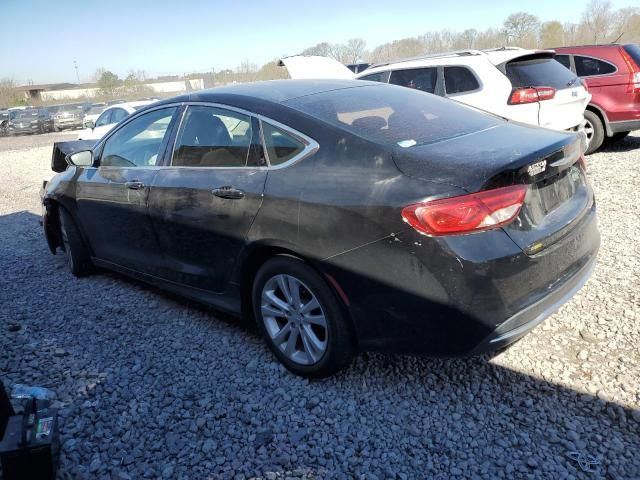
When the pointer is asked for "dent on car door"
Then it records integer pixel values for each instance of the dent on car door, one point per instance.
(203, 204)
(112, 198)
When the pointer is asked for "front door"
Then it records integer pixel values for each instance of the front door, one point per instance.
(113, 198)
(203, 203)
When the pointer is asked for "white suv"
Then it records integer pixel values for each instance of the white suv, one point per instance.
(523, 85)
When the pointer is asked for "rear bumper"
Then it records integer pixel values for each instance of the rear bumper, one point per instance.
(626, 126)
(525, 320)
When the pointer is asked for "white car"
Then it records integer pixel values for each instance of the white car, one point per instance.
(523, 85)
(109, 118)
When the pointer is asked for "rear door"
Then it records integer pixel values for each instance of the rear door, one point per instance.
(566, 109)
(203, 202)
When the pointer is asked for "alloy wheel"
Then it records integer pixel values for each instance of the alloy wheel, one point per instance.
(588, 130)
(294, 319)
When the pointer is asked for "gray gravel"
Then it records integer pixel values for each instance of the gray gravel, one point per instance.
(152, 386)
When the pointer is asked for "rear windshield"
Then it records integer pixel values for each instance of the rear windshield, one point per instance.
(393, 115)
(536, 71)
(634, 52)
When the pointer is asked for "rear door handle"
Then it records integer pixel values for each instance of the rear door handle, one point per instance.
(134, 185)
(228, 192)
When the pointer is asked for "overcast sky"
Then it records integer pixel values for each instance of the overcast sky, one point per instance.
(42, 38)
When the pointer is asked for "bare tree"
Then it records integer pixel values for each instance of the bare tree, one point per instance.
(627, 25)
(597, 18)
(323, 49)
(521, 28)
(354, 50)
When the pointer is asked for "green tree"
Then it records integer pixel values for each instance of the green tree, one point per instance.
(551, 34)
(108, 82)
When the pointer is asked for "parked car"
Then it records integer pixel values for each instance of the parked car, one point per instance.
(31, 120)
(523, 85)
(68, 117)
(342, 215)
(93, 112)
(110, 116)
(4, 122)
(612, 73)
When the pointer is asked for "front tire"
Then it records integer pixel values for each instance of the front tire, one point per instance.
(301, 319)
(78, 257)
(594, 130)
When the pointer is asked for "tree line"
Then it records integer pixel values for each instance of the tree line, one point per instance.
(600, 23)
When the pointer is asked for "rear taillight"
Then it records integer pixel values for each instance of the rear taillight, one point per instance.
(634, 73)
(467, 213)
(531, 95)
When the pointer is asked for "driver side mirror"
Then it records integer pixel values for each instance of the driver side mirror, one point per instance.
(84, 158)
(90, 124)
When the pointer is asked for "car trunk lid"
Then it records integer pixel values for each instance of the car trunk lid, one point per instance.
(315, 67)
(548, 162)
(562, 110)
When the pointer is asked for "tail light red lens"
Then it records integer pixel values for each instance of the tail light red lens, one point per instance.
(530, 95)
(634, 73)
(467, 213)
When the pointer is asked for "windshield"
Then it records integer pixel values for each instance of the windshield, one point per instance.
(96, 110)
(539, 71)
(394, 115)
(23, 114)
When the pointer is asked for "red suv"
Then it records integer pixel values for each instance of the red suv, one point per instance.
(612, 74)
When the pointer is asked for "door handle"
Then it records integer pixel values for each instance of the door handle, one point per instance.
(228, 192)
(134, 185)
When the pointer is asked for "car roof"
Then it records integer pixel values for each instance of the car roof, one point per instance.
(276, 91)
(496, 56)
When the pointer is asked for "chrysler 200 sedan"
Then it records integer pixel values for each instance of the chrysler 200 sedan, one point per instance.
(342, 215)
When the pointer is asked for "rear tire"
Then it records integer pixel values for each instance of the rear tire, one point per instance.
(305, 325)
(78, 257)
(594, 130)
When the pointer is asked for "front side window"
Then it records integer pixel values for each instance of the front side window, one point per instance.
(459, 80)
(589, 67)
(281, 146)
(213, 137)
(375, 77)
(118, 114)
(419, 78)
(138, 143)
(104, 118)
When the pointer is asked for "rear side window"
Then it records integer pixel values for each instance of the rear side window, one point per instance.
(537, 71)
(589, 67)
(388, 115)
(459, 80)
(563, 60)
(281, 146)
(419, 78)
(375, 77)
(212, 137)
(634, 52)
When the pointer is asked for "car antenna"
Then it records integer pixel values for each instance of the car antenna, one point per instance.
(619, 37)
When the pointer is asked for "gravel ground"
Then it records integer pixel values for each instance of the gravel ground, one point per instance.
(152, 386)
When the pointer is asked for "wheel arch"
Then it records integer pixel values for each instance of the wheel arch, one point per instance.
(259, 253)
(603, 117)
